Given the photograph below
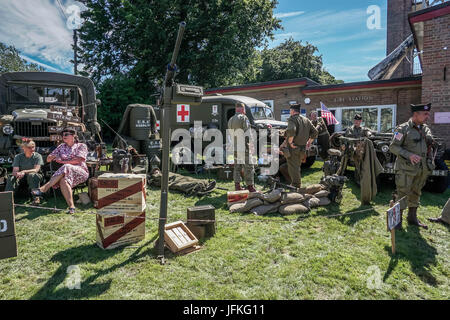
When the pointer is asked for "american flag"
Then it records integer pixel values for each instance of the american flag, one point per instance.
(328, 115)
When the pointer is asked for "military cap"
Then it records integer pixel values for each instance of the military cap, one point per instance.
(420, 107)
(357, 117)
(296, 107)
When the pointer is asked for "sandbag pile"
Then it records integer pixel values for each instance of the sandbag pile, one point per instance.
(285, 203)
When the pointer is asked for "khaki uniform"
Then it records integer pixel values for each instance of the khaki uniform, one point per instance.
(302, 130)
(240, 121)
(324, 137)
(410, 178)
(357, 132)
(23, 163)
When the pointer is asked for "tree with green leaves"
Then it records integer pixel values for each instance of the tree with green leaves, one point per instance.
(137, 38)
(291, 59)
(10, 60)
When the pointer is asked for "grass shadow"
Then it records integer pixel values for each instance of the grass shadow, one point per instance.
(87, 254)
(411, 246)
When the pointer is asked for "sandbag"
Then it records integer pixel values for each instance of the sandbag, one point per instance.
(292, 198)
(266, 209)
(321, 194)
(312, 189)
(324, 201)
(253, 195)
(272, 196)
(292, 209)
(312, 203)
(237, 207)
(247, 206)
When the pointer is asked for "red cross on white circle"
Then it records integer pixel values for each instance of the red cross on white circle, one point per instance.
(157, 124)
(183, 112)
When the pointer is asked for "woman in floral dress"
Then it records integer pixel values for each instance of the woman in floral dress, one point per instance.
(72, 155)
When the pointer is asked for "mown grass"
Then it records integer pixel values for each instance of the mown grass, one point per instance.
(272, 257)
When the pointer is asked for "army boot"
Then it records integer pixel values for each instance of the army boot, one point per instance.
(251, 188)
(412, 218)
(237, 186)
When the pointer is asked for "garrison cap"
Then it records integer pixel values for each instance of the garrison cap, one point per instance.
(296, 107)
(357, 117)
(420, 107)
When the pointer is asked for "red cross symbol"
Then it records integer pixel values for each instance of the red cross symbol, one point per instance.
(157, 124)
(182, 113)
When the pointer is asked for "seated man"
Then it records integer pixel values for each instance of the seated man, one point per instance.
(26, 167)
(184, 184)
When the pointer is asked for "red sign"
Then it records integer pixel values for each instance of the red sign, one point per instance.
(183, 112)
(158, 124)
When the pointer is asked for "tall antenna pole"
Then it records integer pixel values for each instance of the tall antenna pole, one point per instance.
(75, 52)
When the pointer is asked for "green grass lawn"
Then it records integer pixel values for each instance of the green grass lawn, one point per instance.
(274, 257)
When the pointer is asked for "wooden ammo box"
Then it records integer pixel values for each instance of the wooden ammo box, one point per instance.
(178, 237)
(225, 173)
(199, 228)
(118, 229)
(8, 243)
(121, 192)
(93, 191)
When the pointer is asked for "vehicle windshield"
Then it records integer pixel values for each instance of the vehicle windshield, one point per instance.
(261, 113)
(37, 94)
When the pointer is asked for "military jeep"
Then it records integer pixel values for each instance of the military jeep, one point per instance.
(438, 180)
(26, 101)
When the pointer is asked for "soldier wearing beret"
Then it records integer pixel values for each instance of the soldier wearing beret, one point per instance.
(300, 133)
(356, 131)
(240, 121)
(412, 144)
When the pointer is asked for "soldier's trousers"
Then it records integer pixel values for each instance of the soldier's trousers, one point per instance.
(324, 143)
(294, 163)
(411, 186)
(33, 180)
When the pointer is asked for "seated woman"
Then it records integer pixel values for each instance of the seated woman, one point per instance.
(72, 155)
(26, 168)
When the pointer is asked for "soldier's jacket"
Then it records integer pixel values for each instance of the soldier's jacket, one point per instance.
(178, 182)
(301, 129)
(239, 121)
(354, 132)
(408, 140)
(320, 125)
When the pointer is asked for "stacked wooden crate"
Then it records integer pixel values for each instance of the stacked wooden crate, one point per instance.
(121, 215)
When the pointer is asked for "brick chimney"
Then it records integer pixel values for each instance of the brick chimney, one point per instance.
(398, 30)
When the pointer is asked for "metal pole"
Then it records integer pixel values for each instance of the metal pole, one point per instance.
(75, 52)
(165, 129)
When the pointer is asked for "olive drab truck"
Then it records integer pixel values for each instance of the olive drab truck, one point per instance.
(37, 105)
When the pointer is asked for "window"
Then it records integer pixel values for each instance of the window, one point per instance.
(269, 103)
(377, 118)
(38, 94)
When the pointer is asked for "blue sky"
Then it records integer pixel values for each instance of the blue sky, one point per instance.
(338, 28)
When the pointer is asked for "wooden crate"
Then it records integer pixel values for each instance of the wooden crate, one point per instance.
(178, 237)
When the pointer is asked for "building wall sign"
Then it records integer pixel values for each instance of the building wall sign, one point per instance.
(353, 99)
(442, 117)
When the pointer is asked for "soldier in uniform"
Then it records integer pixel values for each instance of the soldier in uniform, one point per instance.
(411, 144)
(240, 121)
(300, 133)
(356, 131)
(324, 136)
(26, 169)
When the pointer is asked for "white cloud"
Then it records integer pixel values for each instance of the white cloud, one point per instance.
(288, 14)
(38, 29)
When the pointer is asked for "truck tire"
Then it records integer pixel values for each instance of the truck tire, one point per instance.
(309, 162)
(438, 184)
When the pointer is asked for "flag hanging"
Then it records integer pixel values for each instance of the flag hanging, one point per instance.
(328, 115)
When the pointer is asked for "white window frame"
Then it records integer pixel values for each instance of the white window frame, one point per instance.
(338, 114)
(270, 103)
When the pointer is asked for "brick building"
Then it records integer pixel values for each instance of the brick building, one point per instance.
(383, 103)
